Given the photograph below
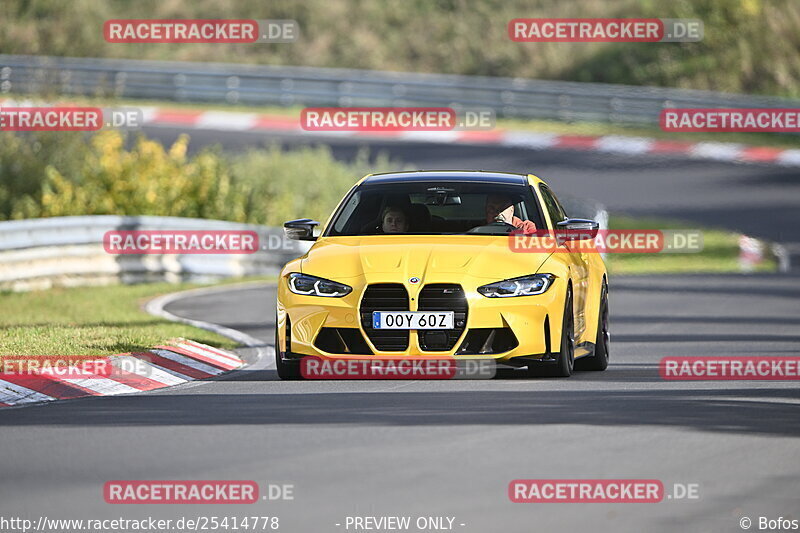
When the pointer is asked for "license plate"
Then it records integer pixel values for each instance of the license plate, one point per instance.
(413, 319)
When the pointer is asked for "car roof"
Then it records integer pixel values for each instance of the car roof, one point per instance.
(473, 176)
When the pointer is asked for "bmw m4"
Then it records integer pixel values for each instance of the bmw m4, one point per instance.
(415, 264)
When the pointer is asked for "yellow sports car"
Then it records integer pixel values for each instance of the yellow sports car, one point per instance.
(415, 264)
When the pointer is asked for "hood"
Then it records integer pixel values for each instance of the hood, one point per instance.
(481, 256)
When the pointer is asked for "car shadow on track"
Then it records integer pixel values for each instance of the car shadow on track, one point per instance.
(736, 411)
(617, 373)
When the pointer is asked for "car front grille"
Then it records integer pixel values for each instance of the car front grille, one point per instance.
(443, 297)
(384, 297)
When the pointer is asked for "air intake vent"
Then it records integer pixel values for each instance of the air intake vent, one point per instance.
(479, 341)
(342, 340)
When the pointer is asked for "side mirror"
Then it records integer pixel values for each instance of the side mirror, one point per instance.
(300, 230)
(577, 229)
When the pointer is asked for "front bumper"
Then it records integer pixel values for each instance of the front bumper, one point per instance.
(525, 327)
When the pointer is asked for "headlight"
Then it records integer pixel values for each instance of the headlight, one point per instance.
(314, 286)
(524, 286)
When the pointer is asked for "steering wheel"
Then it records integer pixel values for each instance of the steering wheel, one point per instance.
(493, 227)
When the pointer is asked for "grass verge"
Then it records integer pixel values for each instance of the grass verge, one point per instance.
(92, 321)
(720, 252)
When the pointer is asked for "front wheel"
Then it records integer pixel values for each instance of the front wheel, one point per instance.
(286, 370)
(599, 361)
(566, 357)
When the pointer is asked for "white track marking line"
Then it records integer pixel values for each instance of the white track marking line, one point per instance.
(716, 151)
(789, 158)
(529, 139)
(13, 394)
(429, 136)
(222, 359)
(618, 144)
(222, 120)
(101, 385)
(174, 373)
(142, 367)
(188, 361)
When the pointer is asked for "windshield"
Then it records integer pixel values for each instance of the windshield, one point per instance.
(434, 208)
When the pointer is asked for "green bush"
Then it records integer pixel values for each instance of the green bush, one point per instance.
(281, 185)
(63, 174)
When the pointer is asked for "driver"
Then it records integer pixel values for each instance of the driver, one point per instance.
(500, 208)
(394, 220)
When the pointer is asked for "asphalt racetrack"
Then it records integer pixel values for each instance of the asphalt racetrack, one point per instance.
(450, 448)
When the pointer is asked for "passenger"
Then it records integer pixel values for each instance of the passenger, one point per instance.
(500, 208)
(394, 220)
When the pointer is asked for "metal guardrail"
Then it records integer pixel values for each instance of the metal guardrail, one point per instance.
(305, 86)
(68, 251)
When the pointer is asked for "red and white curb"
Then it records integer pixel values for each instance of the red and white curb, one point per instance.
(163, 366)
(612, 144)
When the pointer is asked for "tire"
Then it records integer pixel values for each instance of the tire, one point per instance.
(599, 361)
(566, 356)
(286, 371)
